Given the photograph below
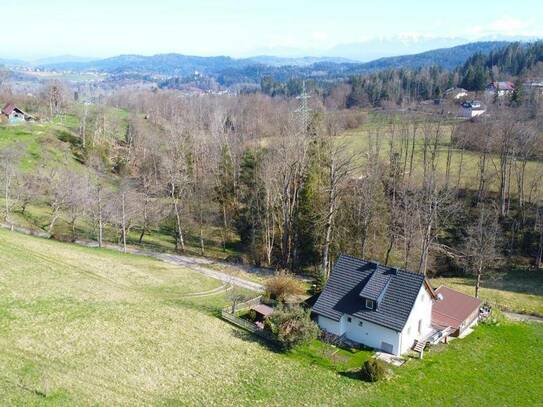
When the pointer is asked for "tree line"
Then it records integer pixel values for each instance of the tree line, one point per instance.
(285, 187)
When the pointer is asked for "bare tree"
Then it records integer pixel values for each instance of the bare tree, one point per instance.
(482, 244)
(340, 164)
(9, 161)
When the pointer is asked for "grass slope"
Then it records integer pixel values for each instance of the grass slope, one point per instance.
(84, 327)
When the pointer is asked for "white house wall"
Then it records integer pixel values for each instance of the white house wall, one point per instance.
(329, 325)
(422, 310)
(372, 335)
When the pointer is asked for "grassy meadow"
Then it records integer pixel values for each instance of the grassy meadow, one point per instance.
(89, 327)
(358, 141)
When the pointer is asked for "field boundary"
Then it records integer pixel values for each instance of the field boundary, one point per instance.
(229, 314)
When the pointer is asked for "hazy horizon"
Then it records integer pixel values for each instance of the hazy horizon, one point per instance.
(248, 28)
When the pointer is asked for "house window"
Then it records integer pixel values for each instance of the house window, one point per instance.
(420, 326)
(349, 319)
(360, 323)
(422, 298)
(370, 304)
(409, 331)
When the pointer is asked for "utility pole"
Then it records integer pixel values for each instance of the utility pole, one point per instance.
(303, 110)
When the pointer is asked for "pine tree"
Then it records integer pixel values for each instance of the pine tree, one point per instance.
(251, 205)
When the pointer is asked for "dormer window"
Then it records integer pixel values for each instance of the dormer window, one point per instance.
(370, 304)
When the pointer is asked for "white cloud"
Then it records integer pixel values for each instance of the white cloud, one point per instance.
(507, 26)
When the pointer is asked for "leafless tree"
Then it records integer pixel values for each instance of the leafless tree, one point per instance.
(482, 243)
(340, 164)
(9, 160)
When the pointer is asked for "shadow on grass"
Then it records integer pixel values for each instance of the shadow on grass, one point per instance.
(202, 306)
(247, 336)
(351, 374)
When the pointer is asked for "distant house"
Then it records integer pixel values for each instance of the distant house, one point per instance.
(534, 86)
(456, 93)
(378, 306)
(471, 109)
(500, 88)
(456, 310)
(15, 115)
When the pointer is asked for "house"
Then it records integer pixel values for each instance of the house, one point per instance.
(378, 306)
(456, 93)
(500, 88)
(15, 115)
(456, 310)
(535, 86)
(471, 109)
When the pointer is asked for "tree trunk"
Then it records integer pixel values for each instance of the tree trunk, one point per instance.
(100, 220)
(179, 241)
(54, 217)
(6, 197)
(539, 248)
(72, 226)
(478, 282)
(328, 233)
(124, 221)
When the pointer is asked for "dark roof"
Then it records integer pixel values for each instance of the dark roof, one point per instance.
(453, 308)
(351, 277)
(376, 285)
(263, 309)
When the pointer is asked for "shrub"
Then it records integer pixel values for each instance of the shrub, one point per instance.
(292, 326)
(373, 370)
(283, 285)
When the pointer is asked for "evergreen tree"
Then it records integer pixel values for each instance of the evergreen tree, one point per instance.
(251, 205)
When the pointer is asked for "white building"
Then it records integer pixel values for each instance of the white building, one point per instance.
(377, 306)
(472, 109)
(500, 88)
(456, 93)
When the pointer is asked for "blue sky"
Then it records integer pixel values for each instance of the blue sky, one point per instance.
(100, 28)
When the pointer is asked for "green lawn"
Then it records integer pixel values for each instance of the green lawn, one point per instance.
(518, 291)
(89, 327)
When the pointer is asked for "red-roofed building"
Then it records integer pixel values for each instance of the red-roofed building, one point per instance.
(454, 309)
(501, 88)
(14, 114)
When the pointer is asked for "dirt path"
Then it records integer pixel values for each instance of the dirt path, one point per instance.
(513, 316)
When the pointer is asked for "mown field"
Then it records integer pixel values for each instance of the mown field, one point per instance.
(89, 327)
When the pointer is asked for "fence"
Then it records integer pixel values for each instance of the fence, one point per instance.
(25, 231)
(231, 317)
(243, 305)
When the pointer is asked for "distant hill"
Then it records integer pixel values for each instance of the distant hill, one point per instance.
(229, 70)
(448, 58)
(61, 59)
(302, 61)
(12, 62)
(163, 64)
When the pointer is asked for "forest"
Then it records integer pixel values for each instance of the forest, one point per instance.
(288, 182)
